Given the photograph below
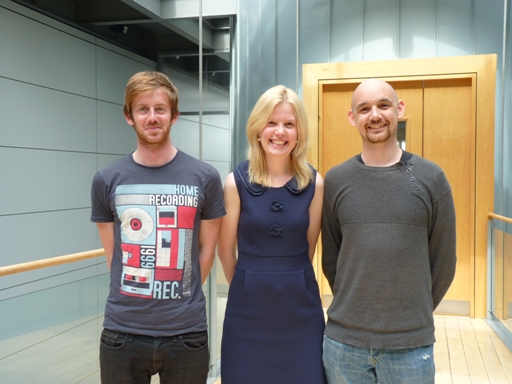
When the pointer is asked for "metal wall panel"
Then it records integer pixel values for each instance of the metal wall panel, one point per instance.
(456, 29)
(50, 22)
(418, 29)
(41, 180)
(221, 166)
(347, 31)
(113, 72)
(42, 235)
(381, 32)
(287, 43)
(102, 160)
(113, 132)
(39, 117)
(222, 149)
(506, 161)
(215, 143)
(37, 54)
(185, 135)
(221, 121)
(315, 32)
(489, 26)
(252, 82)
(215, 136)
(247, 86)
(213, 99)
(240, 80)
(267, 45)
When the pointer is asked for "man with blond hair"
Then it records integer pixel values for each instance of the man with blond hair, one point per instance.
(158, 213)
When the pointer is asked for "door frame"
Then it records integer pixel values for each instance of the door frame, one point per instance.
(484, 68)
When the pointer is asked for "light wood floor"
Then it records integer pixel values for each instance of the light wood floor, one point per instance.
(468, 351)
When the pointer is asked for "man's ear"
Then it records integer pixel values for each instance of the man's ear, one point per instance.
(129, 119)
(401, 108)
(175, 119)
(351, 117)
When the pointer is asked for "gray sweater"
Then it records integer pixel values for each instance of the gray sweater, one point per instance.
(388, 244)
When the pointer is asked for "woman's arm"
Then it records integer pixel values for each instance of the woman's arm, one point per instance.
(229, 228)
(315, 215)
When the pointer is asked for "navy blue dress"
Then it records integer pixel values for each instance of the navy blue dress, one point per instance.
(274, 322)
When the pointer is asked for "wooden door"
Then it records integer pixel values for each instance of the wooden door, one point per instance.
(442, 125)
(428, 108)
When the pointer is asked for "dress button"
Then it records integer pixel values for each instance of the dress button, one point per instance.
(276, 205)
(408, 170)
(276, 230)
(412, 178)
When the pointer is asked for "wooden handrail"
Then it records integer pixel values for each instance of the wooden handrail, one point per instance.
(502, 218)
(44, 263)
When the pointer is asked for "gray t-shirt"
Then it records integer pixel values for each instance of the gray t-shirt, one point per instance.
(155, 280)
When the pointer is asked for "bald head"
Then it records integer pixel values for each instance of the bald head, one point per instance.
(375, 112)
(373, 85)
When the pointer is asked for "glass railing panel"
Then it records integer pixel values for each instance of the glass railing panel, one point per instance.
(497, 274)
(500, 283)
(505, 291)
(52, 335)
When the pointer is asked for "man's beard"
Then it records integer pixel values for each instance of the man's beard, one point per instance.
(152, 144)
(379, 137)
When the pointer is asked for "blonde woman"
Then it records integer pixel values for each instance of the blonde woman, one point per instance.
(273, 328)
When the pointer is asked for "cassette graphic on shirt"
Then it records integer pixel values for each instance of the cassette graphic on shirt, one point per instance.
(157, 224)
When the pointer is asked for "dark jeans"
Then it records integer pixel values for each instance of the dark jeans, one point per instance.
(133, 359)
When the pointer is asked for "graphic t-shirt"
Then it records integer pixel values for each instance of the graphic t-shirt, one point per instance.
(155, 286)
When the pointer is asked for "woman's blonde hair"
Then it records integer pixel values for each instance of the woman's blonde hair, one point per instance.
(258, 120)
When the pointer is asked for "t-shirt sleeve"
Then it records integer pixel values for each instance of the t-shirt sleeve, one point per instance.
(100, 209)
(214, 202)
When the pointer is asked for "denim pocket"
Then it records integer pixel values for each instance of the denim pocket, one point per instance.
(195, 340)
(112, 339)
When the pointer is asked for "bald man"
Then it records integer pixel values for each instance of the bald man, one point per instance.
(388, 243)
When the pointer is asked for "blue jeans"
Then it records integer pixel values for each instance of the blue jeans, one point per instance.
(347, 364)
(133, 359)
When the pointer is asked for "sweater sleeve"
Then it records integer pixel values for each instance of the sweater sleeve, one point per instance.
(442, 245)
(331, 241)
